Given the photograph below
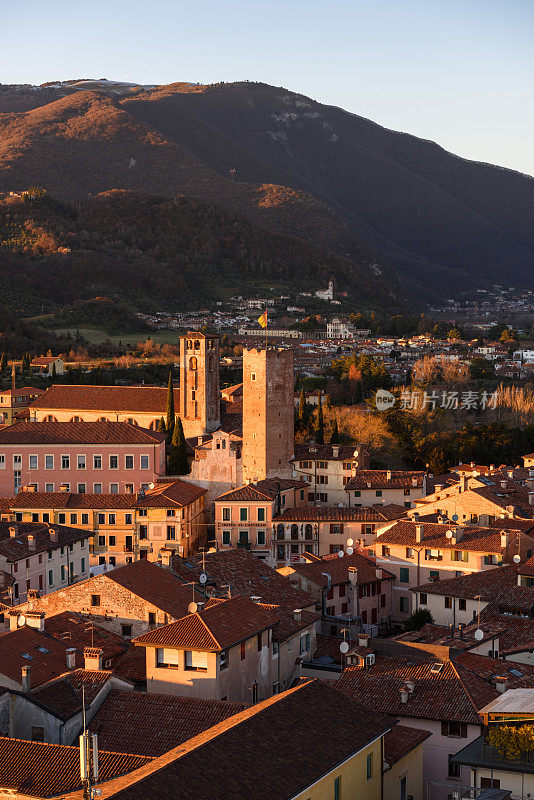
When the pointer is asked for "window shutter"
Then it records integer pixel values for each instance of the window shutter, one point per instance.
(463, 732)
(444, 728)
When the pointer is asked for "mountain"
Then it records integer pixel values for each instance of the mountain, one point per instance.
(150, 252)
(316, 173)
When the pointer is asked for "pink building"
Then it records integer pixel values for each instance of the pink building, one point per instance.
(93, 457)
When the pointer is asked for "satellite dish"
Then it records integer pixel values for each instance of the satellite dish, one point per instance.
(151, 485)
(340, 553)
(454, 517)
(350, 542)
(449, 534)
(21, 620)
(479, 634)
(517, 559)
(344, 647)
(192, 607)
(203, 578)
(350, 551)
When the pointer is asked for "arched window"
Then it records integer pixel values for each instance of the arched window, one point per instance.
(280, 531)
(102, 419)
(76, 419)
(193, 363)
(50, 418)
(294, 531)
(308, 532)
(197, 344)
(131, 421)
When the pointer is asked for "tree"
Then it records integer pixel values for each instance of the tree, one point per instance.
(161, 426)
(334, 438)
(54, 373)
(170, 404)
(303, 410)
(3, 364)
(25, 367)
(453, 334)
(178, 463)
(319, 433)
(419, 618)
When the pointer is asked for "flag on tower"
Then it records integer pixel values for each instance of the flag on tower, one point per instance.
(263, 319)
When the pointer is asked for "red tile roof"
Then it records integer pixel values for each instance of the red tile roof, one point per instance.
(46, 770)
(261, 490)
(63, 696)
(137, 399)
(102, 433)
(173, 495)
(378, 479)
(74, 630)
(131, 666)
(342, 514)
(338, 569)
(216, 628)
(15, 548)
(487, 540)
(27, 647)
(70, 500)
(324, 452)
(152, 724)
(236, 753)
(401, 740)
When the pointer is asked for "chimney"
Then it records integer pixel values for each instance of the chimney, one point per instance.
(363, 639)
(531, 498)
(503, 484)
(419, 533)
(463, 483)
(53, 534)
(501, 682)
(379, 573)
(457, 534)
(504, 540)
(529, 483)
(335, 451)
(13, 530)
(166, 555)
(71, 658)
(35, 619)
(26, 679)
(403, 695)
(438, 487)
(409, 686)
(353, 575)
(415, 515)
(93, 657)
(492, 467)
(297, 614)
(389, 475)
(31, 541)
(255, 598)
(13, 620)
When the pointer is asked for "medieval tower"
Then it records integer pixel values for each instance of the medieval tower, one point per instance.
(200, 405)
(268, 413)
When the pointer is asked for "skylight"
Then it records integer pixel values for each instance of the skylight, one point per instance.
(516, 672)
(42, 649)
(436, 668)
(28, 656)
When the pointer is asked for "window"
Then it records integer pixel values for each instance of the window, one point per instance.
(33, 462)
(226, 537)
(261, 515)
(97, 462)
(448, 602)
(80, 462)
(489, 783)
(101, 519)
(113, 462)
(127, 519)
(223, 659)
(61, 518)
(404, 575)
(433, 574)
(171, 533)
(128, 462)
(243, 514)
(74, 519)
(260, 642)
(407, 492)
(167, 658)
(385, 550)
(454, 769)
(369, 766)
(378, 492)
(404, 605)
(252, 376)
(37, 733)
(97, 488)
(63, 572)
(171, 512)
(113, 488)
(126, 630)
(143, 531)
(65, 462)
(49, 487)
(423, 599)
(142, 512)
(243, 651)
(455, 730)
(112, 541)
(337, 788)
(144, 462)
(226, 514)
(409, 552)
(50, 577)
(2, 462)
(95, 600)
(460, 555)
(261, 538)
(17, 462)
(101, 541)
(111, 519)
(35, 517)
(196, 660)
(462, 605)
(83, 565)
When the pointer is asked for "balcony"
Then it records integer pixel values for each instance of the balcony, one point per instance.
(244, 543)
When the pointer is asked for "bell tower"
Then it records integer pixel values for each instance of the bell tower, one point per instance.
(200, 405)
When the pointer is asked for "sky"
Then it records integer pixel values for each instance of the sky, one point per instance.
(457, 72)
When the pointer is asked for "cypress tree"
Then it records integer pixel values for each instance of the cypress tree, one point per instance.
(319, 433)
(54, 373)
(3, 363)
(161, 426)
(302, 415)
(178, 463)
(25, 367)
(334, 439)
(170, 405)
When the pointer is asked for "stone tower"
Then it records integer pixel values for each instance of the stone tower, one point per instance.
(268, 413)
(200, 404)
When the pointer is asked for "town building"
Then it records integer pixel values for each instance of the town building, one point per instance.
(200, 405)
(366, 487)
(14, 402)
(328, 468)
(244, 517)
(48, 365)
(268, 413)
(88, 457)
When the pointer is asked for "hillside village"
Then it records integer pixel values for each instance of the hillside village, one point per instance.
(187, 568)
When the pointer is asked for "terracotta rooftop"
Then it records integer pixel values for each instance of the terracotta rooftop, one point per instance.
(63, 696)
(338, 569)
(17, 547)
(378, 479)
(324, 452)
(152, 724)
(37, 769)
(487, 540)
(74, 630)
(216, 628)
(174, 495)
(137, 399)
(246, 575)
(105, 433)
(131, 666)
(261, 490)
(70, 500)
(27, 647)
(342, 514)
(312, 716)
(401, 740)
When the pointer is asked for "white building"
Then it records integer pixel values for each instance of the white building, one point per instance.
(326, 294)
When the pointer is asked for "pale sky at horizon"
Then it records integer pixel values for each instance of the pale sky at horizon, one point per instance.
(459, 73)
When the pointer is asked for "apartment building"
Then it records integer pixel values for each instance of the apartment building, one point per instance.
(401, 487)
(13, 403)
(86, 457)
(42, 558)
(327, 469)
